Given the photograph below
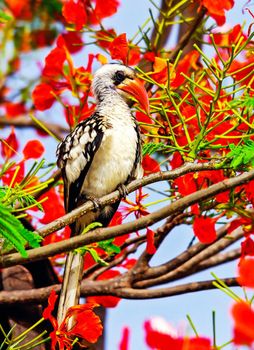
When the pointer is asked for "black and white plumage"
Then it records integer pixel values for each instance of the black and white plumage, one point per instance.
(99, 155)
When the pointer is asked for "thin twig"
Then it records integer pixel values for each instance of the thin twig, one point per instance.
(24, 122)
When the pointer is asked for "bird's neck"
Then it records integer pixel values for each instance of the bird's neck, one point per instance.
(111, 105)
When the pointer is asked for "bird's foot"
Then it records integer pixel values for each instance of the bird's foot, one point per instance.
(95, 201)
(123, 190)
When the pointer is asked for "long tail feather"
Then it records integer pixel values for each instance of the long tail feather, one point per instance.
(73, 271)
(70, 291)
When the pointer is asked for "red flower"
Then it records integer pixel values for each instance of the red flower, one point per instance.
(124, 343)
(247, 247)
(149, 56)
(133, 55)
(73, 41)
(161, 336)
(117, 220)
(14, 109)
(33, 149)
(186, 65)
(150, 247)
(118, 48)
(57, 236)
(242, 71)
(150, 165)
(216, 9)
(129, 263)
(10, 145)
(136, 207)
(243, 316)
(20, 8)
(54, 62)
(176, 161)
(43, 96)
(249, 190)
(43, 37)
(104, 38)
(229, 38)
(103, 9)
(17, 170)
(47, 313)
(204, 229)
(160, 70)
(143, 118)
(75, 13)
(87, 324)
(53, 206)
(238, 222)
(186, 184)
(246, 275)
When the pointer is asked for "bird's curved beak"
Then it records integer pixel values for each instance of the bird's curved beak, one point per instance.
(135, 88)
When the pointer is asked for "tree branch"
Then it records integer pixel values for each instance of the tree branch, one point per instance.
(182, 266)
(111, 232)
(114, 196)
(219, 259)
(89, 288)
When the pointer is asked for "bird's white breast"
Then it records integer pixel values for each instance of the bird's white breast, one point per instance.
(114, 160)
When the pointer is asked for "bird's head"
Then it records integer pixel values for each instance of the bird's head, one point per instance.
(121, 79)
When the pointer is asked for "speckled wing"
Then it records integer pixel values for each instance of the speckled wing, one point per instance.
(75, 155)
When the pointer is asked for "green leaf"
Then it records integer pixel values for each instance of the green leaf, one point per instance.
(244, 101)
(14, 233)
(4, 17)
(96, 257)
(249, 101)
(94, 254)
(242, 155)
(151, 147)
(109, 247)
(91, 227)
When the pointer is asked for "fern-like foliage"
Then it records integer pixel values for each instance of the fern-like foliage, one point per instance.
(246, 101)
(242, 155)
(152, 147)
(18, 198)
(14, 233)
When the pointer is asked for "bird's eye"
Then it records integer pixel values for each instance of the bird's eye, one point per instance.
(119, 77)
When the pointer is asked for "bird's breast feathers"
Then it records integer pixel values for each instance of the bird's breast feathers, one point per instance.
(108, 164)
(113, 162)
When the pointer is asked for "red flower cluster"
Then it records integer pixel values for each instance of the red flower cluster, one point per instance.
(243, 312)
(121, 49)
(243, 316)
(216, 9)
(139, 210)
(87, 324)
(33, 149)
(80, 13)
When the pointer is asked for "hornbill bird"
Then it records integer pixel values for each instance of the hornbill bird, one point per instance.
(101, 154)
